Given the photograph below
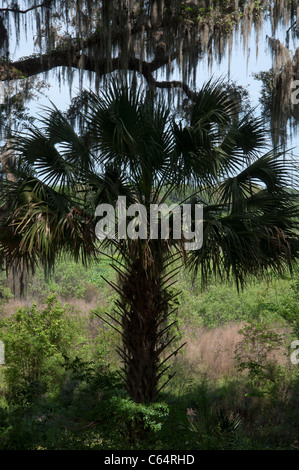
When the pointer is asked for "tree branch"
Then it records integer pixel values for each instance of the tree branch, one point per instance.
(174, 84)
(73, 58)
(292, 26)
(17, 10)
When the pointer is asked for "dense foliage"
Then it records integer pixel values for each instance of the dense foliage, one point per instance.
(71, 396)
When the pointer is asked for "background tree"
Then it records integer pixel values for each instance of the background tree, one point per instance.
(130, 145)
(99, 37)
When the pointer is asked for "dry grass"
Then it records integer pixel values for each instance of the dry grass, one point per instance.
(211, 352)
(14, 304)
(79, 305)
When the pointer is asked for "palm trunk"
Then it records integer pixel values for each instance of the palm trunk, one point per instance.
(140, 323)
(144, 306)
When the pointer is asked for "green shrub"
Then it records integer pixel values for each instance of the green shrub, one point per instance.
(35, 341)
(136, 425)
(289, 308)
(71, 280)
(253, 354)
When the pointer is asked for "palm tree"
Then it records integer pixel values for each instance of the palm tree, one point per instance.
(130, 145)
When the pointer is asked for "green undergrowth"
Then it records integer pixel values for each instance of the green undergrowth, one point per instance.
(61, 388)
